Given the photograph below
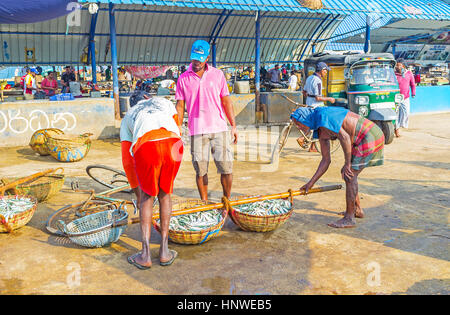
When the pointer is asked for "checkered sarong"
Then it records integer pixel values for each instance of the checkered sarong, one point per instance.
(368, 146)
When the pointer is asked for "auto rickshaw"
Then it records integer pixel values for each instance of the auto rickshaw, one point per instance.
(363, 83)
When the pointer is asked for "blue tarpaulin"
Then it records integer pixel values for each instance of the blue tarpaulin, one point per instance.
(31, 11)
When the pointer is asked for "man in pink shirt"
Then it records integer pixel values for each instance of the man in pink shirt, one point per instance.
(406, 81)
(202, 90)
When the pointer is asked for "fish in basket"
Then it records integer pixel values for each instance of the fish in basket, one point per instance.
(16, 211)
(262, 216)
(95, 230)
(194, 228)
(42, 188)
(38, 141)
(69, 148)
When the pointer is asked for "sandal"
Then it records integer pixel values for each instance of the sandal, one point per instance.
(168, 263)
(133, 262)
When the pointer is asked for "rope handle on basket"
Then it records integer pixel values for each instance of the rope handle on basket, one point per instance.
(227, 205)
(231, 211)
(291, 196)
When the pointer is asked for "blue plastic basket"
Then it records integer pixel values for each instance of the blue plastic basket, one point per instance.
(95, 230)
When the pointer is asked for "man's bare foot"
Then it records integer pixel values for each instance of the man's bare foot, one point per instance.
(343, 223)
(397, 133)
(313, 149)
(358, 214)
(140, 262)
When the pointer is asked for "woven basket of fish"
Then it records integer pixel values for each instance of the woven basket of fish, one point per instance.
(69, 148)
(194, 228)
(42, 188)
(38, 141)
(16, 211)
(262, 216)
(95, 230)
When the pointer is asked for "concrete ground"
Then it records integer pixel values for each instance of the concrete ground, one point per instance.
(401, 247)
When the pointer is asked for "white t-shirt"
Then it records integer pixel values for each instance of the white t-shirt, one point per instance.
(148, 115)
(292, 82)
(29, 80)
(313, 87)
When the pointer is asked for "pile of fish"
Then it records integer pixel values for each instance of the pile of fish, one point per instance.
(266, 207)
(11, 206)
(195, 221)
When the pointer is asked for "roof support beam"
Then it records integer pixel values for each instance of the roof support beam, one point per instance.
(150, 35)
(313, 34)
(91, 49)
(314, 44)
(112, 30)
(266, 15)
(214, 35)
(367, 37)
(257, 61)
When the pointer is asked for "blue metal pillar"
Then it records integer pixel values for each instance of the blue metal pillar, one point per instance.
(213, 52)
(393, 49)
(112, 30)
(257, 61)
(92, 48)
(367, 42)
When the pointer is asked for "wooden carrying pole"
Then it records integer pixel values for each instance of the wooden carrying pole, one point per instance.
(227, 203)
(22, 180)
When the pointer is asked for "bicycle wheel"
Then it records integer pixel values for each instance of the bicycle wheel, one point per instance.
(284, 136)
(334, 145)
(108, 176)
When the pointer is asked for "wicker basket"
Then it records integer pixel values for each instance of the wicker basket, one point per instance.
(69, 148)
(257, 223)
(95, 230)
(38, 140)
(312, 4)
(195, 237)
(19, 219)
(42, 188)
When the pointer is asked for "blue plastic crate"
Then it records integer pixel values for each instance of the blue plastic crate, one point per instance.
(62, 97)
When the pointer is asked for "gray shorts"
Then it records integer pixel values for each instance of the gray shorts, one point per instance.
(220, 146)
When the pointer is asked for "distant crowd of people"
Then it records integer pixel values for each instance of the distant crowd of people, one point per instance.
(49, 85)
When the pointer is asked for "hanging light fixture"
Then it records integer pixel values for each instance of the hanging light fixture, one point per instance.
(93, 8)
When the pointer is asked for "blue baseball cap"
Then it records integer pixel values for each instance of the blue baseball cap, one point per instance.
(34, 70)
(200, 50)
(322, 65)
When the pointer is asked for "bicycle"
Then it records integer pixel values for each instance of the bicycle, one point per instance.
(304, 141)
(108, 176)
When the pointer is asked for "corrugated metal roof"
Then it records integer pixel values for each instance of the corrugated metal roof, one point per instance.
(352, 25)
(402, 9)
(150, 35)
(398, 30)
(162, 33)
